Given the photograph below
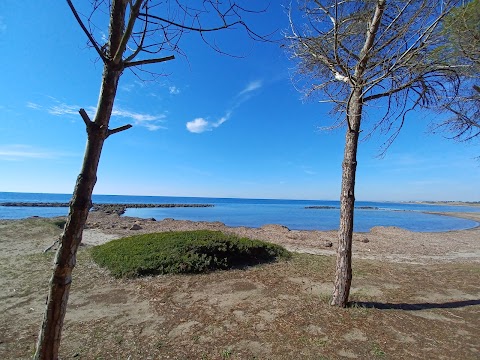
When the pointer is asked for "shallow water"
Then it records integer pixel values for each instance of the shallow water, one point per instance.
(258, 212)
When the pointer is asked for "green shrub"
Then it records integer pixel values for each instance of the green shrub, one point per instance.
(183, 252)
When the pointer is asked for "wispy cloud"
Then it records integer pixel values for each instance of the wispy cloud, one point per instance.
(151, 122)
(127, 87)
(35, 106)
(63, 109)
(18, 152)
(200, 124)
(174, 90)
(251, 86)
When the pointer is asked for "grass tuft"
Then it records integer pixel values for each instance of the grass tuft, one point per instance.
(60, 223)
(183, 252)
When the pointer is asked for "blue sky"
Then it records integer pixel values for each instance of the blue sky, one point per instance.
(211, 125)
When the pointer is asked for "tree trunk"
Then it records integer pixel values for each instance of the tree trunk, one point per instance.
(343, 272)
(50, 332)
(65, 259)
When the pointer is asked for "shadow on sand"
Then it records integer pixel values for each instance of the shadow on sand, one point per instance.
(414, 307)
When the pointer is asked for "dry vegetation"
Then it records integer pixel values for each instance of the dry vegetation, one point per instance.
(274, 311)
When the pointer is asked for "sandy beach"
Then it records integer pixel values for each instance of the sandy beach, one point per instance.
(414, 296)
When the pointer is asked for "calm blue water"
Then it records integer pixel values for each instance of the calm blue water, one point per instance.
(258, 212)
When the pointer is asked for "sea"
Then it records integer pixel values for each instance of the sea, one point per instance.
(257, 212)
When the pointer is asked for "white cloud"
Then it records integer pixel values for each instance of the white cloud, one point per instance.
(174, 90)
(198, 125)
(252, 86)
(149, 121)
(32, 105)
(63, 109)
(222, 119)
(127, 87)
(153, 127)
(16, 152)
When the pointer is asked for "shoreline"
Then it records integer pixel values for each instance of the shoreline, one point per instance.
(384, 243)
(391, 244)
(444, 203)
(461, 215)
(121, 208)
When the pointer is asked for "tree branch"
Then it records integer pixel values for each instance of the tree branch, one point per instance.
(117, 130)
(89, 36)
(140, 45)
(85, 117)
(134, 10)
(191, 28)
(392, 22)
(370, 38)
(149, 61)
(399, 88)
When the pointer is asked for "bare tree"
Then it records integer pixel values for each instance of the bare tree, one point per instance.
(139, 30)
(365, 53)
(462, 49)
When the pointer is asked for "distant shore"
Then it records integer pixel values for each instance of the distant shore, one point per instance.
(444, 203)
(118, 209)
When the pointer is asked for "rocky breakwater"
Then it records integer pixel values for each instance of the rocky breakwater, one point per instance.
(118, 209)
(327, 207)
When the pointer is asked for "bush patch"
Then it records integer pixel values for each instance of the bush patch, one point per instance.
(178, 252)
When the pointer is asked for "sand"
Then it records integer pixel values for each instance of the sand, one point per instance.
(415, 295)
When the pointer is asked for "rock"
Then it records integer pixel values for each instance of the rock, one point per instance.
(321, 207)
(110, 208)
(364, 240)
(327, 244)
(275, 227)
(152, 219)
(135, 227)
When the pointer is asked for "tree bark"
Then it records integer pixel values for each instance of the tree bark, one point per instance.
(65, 259)
(97, 131)
(343, 272)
